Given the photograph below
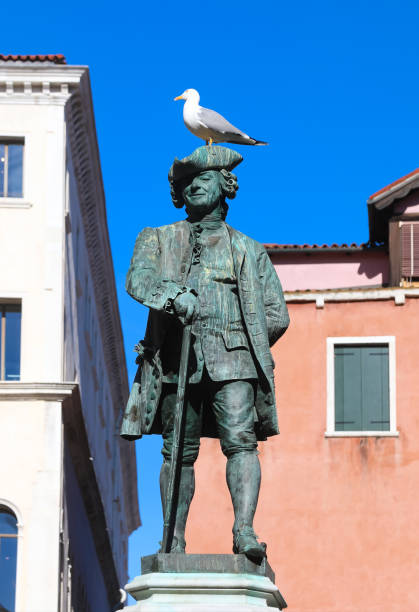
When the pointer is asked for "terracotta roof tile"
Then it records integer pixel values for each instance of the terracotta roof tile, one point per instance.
(388, 187)
(317, 247)
(55, 59)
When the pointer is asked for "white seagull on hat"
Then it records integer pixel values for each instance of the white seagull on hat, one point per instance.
(210, 125)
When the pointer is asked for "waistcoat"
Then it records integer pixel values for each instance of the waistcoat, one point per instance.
(219, 340)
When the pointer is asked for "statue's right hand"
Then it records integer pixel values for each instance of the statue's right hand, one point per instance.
(185, 306)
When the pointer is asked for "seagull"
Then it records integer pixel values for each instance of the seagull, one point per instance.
(209, 125)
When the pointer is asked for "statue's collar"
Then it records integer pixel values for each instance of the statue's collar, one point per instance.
(208, 224)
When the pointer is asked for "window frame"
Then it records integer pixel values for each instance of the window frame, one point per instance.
(4, 302)
(14, 140)
(27, 198)
(331, 342)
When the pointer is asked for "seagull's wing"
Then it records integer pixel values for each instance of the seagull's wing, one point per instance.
(223, 129)
(216, 122)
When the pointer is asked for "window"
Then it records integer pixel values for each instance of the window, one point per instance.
(8, 558)
(361, 386)
(10, 317)
(11, 169)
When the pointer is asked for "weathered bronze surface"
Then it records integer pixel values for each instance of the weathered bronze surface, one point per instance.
(227, 564)
(203, 272)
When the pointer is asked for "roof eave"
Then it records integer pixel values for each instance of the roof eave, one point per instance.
(317, 251)
(378, 205)
(402, 189)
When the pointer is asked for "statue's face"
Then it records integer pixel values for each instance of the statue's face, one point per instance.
(203, 194)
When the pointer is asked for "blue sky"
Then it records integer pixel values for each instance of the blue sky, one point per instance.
(331, 85)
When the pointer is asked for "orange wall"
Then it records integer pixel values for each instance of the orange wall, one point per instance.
(340, 516)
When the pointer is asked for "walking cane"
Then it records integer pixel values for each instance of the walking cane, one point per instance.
(171, 503)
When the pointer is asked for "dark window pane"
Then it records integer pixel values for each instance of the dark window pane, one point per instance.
(2, 162)
(8, 556)
(8, 522)
(362, 388)
(15, 174)
(13, 317)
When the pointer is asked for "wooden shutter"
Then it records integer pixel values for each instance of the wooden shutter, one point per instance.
(348, 388)
(362, 388)
(375, 388)
(409, 245)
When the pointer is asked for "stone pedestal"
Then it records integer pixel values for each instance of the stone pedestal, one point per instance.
(202, 583)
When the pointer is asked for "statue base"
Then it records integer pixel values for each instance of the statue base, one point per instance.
(202, 583)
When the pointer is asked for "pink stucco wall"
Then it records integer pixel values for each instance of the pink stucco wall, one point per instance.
(331, 270)
(339, 515)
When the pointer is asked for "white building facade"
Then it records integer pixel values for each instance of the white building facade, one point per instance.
(68, 487)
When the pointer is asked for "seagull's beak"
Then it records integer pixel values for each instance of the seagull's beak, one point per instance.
(178, 98)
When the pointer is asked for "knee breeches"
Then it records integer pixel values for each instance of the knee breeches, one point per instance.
(232, 403)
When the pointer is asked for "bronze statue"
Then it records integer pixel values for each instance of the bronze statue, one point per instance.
(203, 273)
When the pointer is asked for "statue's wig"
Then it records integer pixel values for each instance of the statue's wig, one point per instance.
(228, 182)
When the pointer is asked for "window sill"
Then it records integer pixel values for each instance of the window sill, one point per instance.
(14, 203)
(361, 434)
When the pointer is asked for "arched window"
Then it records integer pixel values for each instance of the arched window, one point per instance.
(8, 556)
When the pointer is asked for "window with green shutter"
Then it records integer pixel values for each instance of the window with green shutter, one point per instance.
(361, 387)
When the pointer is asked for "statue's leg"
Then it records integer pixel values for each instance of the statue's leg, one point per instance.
(243, 479)
(233, 406)
(189, 451)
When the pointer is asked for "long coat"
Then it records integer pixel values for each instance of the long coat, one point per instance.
(158, 272)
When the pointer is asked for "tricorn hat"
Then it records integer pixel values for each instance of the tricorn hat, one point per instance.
(204, 158)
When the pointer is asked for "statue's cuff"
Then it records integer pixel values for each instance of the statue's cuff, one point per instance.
(168, 307)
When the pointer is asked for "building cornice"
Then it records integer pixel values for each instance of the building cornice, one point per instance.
(48, 391)
(88, 174)
(38, 84)
(352, 295)
(37, 73)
